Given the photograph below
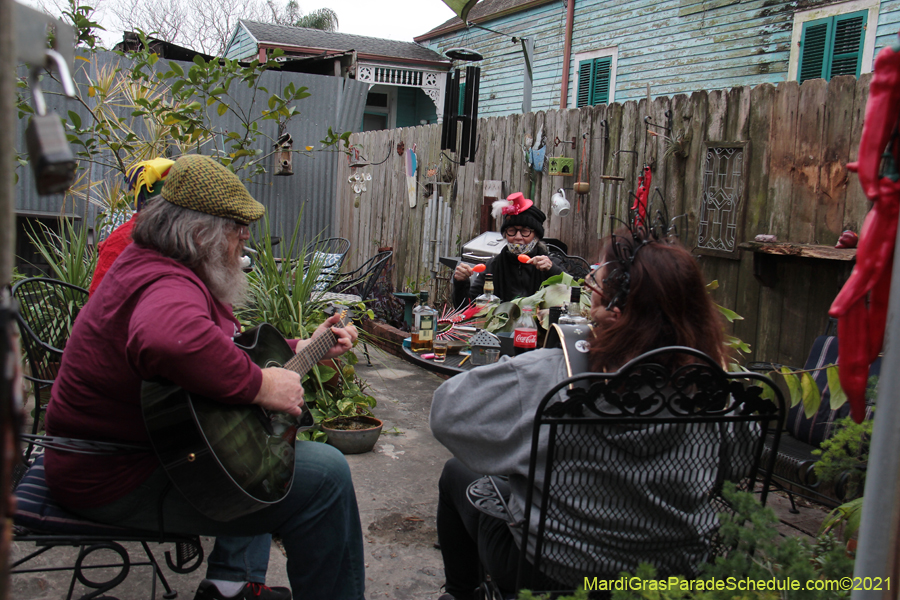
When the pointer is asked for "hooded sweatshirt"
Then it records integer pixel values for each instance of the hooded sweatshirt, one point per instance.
(151, 317)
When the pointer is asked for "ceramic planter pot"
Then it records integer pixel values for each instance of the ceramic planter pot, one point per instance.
(354, 441)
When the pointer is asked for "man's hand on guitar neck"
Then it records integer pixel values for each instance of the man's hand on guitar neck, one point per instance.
(346, 336)
(281, 391)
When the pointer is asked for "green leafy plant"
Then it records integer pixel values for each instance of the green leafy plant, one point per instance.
(283, 294)
(67, 252)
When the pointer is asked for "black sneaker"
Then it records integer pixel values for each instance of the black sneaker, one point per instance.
(250, 591)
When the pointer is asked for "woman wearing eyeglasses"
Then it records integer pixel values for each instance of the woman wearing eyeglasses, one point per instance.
(523, 228)
(647, 293)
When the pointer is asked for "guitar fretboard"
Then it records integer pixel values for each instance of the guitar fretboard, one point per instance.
(313, 352)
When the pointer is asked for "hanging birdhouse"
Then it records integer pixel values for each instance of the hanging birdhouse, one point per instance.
(283, 155)
(561, 165)
(480, 343)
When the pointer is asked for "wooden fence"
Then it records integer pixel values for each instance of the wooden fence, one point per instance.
(797, 141)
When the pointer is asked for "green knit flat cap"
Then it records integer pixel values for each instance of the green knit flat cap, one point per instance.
(200, 183)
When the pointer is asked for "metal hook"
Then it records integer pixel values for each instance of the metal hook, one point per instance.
(605, 127)
(649, 124)
(65, 78)
(558, 141)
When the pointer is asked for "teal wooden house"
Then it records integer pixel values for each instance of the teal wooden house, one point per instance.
(599, 51)
(407, 79)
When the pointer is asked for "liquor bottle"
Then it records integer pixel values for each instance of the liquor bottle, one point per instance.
(424, 325)
(524, 332)
(555, 314)
(488, 299)
(573, 314)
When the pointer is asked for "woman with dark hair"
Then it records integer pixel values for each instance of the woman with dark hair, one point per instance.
(523, 229)
(647, 293)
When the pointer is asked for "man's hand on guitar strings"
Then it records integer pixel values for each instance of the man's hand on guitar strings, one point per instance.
(346, 336)
(281, 391)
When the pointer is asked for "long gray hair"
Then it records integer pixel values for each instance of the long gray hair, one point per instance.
(197, 240)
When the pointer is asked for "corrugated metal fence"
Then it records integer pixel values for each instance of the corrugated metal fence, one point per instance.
(799, 140)
(334, 102)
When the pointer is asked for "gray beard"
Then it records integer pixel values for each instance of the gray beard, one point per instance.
(225, 278)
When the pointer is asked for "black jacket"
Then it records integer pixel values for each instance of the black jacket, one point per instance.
(512, 279)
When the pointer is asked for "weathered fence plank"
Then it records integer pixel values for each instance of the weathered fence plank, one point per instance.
(799, 140)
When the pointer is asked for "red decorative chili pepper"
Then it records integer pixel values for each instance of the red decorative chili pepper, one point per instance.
(640, 201)
(861, 305)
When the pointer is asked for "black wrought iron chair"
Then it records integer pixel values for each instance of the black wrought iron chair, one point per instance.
(356, 286)
(628, 467)
(47, 309)
(794, 467)
(328, 255)
(575, 266)
(43, 522)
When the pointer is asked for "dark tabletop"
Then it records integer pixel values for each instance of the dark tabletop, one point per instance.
(451, 366)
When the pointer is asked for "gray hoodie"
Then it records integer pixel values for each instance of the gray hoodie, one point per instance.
(635, 512)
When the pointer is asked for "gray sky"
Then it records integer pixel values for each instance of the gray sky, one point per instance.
(392, 19)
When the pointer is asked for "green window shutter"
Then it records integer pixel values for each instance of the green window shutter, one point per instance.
(585, 68)
(832, 46)
(849, 38)
(814, 43)
(600, 80)
(593, 81)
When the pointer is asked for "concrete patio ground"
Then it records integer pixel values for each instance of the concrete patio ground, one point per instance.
(396, 487)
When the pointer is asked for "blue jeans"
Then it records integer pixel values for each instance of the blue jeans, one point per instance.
(318, 523)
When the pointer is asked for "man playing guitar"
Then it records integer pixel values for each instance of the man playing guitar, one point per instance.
(163, 311)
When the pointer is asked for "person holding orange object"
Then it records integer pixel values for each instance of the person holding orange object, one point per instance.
(522, 266)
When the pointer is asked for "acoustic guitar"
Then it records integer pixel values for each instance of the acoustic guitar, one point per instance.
(231, 460)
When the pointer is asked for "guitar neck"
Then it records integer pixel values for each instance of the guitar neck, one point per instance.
(312, 352)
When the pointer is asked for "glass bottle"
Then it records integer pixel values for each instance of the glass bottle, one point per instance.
(573, 313)
(525, 332)
(488, 299)
(424, 325)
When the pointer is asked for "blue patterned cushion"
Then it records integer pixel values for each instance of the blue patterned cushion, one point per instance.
(37, 511)
(820, 426)
(331, 266)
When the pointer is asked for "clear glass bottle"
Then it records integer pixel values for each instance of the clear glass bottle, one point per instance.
(573, 312)
(488, 299)
(424, 325)
(525, 332)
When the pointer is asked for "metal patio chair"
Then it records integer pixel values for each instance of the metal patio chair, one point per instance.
(47, 309)
(329, 254)
(357, 286)
(575, 266)
(102, 562)
(615, 456)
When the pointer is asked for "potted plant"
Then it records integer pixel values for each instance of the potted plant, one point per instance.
(281, 293)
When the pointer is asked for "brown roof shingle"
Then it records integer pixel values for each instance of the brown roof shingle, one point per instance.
(267, 33)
